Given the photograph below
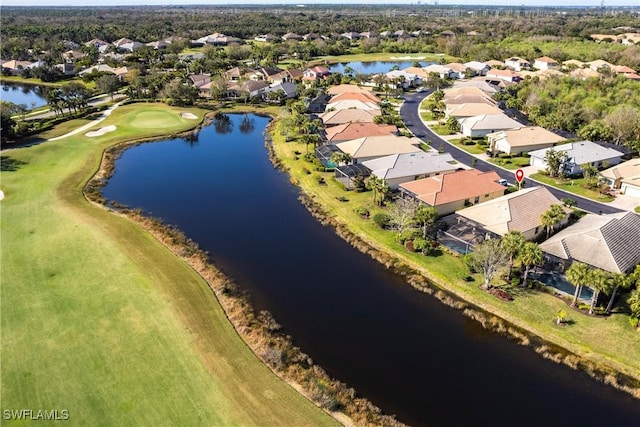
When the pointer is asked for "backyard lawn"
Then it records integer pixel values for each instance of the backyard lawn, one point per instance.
(610, 341)
(100, 319)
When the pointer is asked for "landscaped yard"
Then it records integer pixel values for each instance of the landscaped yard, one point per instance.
(472, 149)
(610, 341)
(572, 185)
(101, 320)
(511, 163)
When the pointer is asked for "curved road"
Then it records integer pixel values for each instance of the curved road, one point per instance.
(410, 113)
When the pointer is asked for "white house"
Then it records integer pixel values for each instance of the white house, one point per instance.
(522, 140)
(518, 64)
(479, 68)
(546, 63)
(578, 153)
(479, 126)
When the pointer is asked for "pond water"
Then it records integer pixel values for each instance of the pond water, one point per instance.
(30, 95)
(402, 349)
(375, 67)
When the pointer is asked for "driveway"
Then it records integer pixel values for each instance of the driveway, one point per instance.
(410, 113)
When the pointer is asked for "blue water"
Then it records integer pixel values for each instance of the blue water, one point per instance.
(375, 67)
(559, 281)
(29, 95)
(400, 348)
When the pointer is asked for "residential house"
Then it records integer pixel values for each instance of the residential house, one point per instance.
(572, 64)
(339, 117)
(447, 33)
(368, 34)
(604, 37)
(290, 90)
(121, 72)
(403, 78)
(290, 75)
(546, 63)
(541, 74)
(478, 68)
(250, 88)
(599, 65)
(316, 73)
(518, 211)
(522, 140)
(629, 38)
(215, 39)
(238, 73)
(350, 131)
(398, 168)
(608, 242)
(159, 44)
(504, 75)
(624, 177)
(579, 153)
(360, 100)
(312, 37)
(623, 69)
(130, 46)
(344, 88)
(100, 68)
(350, 35)
(15, 67)
(493, 63)
(518, 64)
(265, 38)
(441, 70)
(484, 124)
(292, 37)
(372, 147)
(199, 80)
(450, 192)
(584, 73)
(101, 45)
(479, 83)
(420, 72)
(462, 111)
(458, 70)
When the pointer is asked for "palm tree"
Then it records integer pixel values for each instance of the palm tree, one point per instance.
(634, 305)
(578, 275)
(620, 281)
(599, 281)
(530, 255)
(379, 187)
(512, 242)
(425, 216)
(553, 216)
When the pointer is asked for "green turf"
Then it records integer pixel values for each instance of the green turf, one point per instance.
(100, 319)
(610, 341)
(572, 185)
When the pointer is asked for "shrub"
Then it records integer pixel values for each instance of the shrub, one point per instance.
(515, 280)
(320, 179)
(342, 199)
(381, 220)
(423, 245)
(362, 211)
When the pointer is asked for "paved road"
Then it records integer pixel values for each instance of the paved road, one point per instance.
(410, 113)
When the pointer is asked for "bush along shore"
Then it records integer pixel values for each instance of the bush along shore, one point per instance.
(422, 283)
(260, 330)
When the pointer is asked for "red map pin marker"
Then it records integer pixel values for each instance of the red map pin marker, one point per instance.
(519, 175)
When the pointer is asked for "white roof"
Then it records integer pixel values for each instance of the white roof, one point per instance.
(581, 152)
(489, 122)
(411, 164)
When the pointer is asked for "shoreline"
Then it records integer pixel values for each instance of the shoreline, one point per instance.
(259, 331)
(419, 278)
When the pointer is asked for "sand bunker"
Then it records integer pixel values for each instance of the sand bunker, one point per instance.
(101, 131)
(188, 116)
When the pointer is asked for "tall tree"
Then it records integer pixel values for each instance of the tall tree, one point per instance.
(620, 281)
(530, 255)
(108, 83)
(551, 217)
(489, 258)
(425, 216)
(402, 215)
(634, 305)
(555, 161)
(578, 275)
(600, 281)
(512, 243)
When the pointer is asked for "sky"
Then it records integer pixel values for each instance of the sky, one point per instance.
(294, 2)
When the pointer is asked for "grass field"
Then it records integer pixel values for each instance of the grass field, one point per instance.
(100, 319)
(574, 186)
(610, 341)
(382, 56)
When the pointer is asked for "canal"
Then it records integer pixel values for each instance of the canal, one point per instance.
(402, 349)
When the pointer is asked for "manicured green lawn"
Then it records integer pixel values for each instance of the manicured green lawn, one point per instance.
(610, 341)
(382, 56)
(575, 186)
(511, 163)
(102, 320)
(473, 149)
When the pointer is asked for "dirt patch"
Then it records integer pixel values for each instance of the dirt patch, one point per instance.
(100, 131)
(188, 116)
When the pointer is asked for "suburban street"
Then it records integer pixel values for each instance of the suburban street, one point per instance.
(410, 113)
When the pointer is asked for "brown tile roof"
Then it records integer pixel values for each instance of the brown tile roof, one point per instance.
(357, 96)
(349, 131)
(460, 185)
(344, 88)
(338, 117)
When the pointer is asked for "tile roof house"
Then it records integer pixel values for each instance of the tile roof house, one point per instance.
(291, 36)
(624, 176)
(519, 211)
(479, 83)
(315, 73)
(608, 242)
(522, 140)
(546, 63)
(461, 111)
(364, 96)
(504, 75)
(15, 67)
(350, 104)
(484, 124)
(453, 191)
(399, 168)
(372, 147)
(347, 88)
(349, 131)
(289, 89)
(339, 117)
(441, 70)
(572, 63)
(599, 64)
(290, 75)
(458, 70)
(479, 68)
(517, 64)
(584, 73)
(579, 153)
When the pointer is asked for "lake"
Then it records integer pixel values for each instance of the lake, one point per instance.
(376, 67)
(402, 349)
(30, 95)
